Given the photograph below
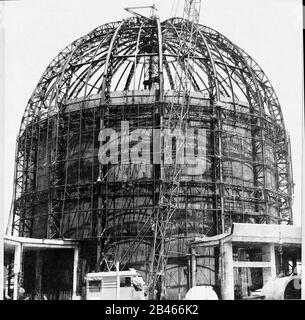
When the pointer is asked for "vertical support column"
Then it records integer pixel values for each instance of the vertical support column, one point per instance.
(268, 255)
(272, 260)
(38, 271)
(117, 280)
(227, 275)
(17, 268)
(75, 266)
(243, 274)
(193, 267)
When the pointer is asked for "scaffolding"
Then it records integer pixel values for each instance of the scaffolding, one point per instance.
(127, 71)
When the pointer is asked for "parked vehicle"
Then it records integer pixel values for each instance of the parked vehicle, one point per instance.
(280, 288)
(115, 285)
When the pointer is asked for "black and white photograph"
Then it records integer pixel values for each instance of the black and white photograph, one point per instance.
(151, 150)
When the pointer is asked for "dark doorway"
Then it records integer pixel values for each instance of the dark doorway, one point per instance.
(48, 273)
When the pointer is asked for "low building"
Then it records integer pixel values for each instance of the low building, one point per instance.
(244, 259)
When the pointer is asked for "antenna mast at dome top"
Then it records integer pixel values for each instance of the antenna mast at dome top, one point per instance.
(152, 8)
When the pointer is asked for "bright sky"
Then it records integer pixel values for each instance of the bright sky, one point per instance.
(268, 30)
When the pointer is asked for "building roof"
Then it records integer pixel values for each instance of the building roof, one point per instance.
(256, 233)
(39, 243)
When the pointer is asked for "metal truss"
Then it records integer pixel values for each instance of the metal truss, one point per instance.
(60, 190)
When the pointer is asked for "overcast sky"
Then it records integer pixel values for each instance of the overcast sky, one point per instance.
(37, 30)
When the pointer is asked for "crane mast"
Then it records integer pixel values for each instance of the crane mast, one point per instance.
(176, 119)
(163, 222)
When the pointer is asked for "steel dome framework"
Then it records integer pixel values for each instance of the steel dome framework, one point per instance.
(125, 71)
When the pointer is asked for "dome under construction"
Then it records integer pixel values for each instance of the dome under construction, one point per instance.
(124, 75)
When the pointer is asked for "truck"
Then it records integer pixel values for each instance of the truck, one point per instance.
(115, 285)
